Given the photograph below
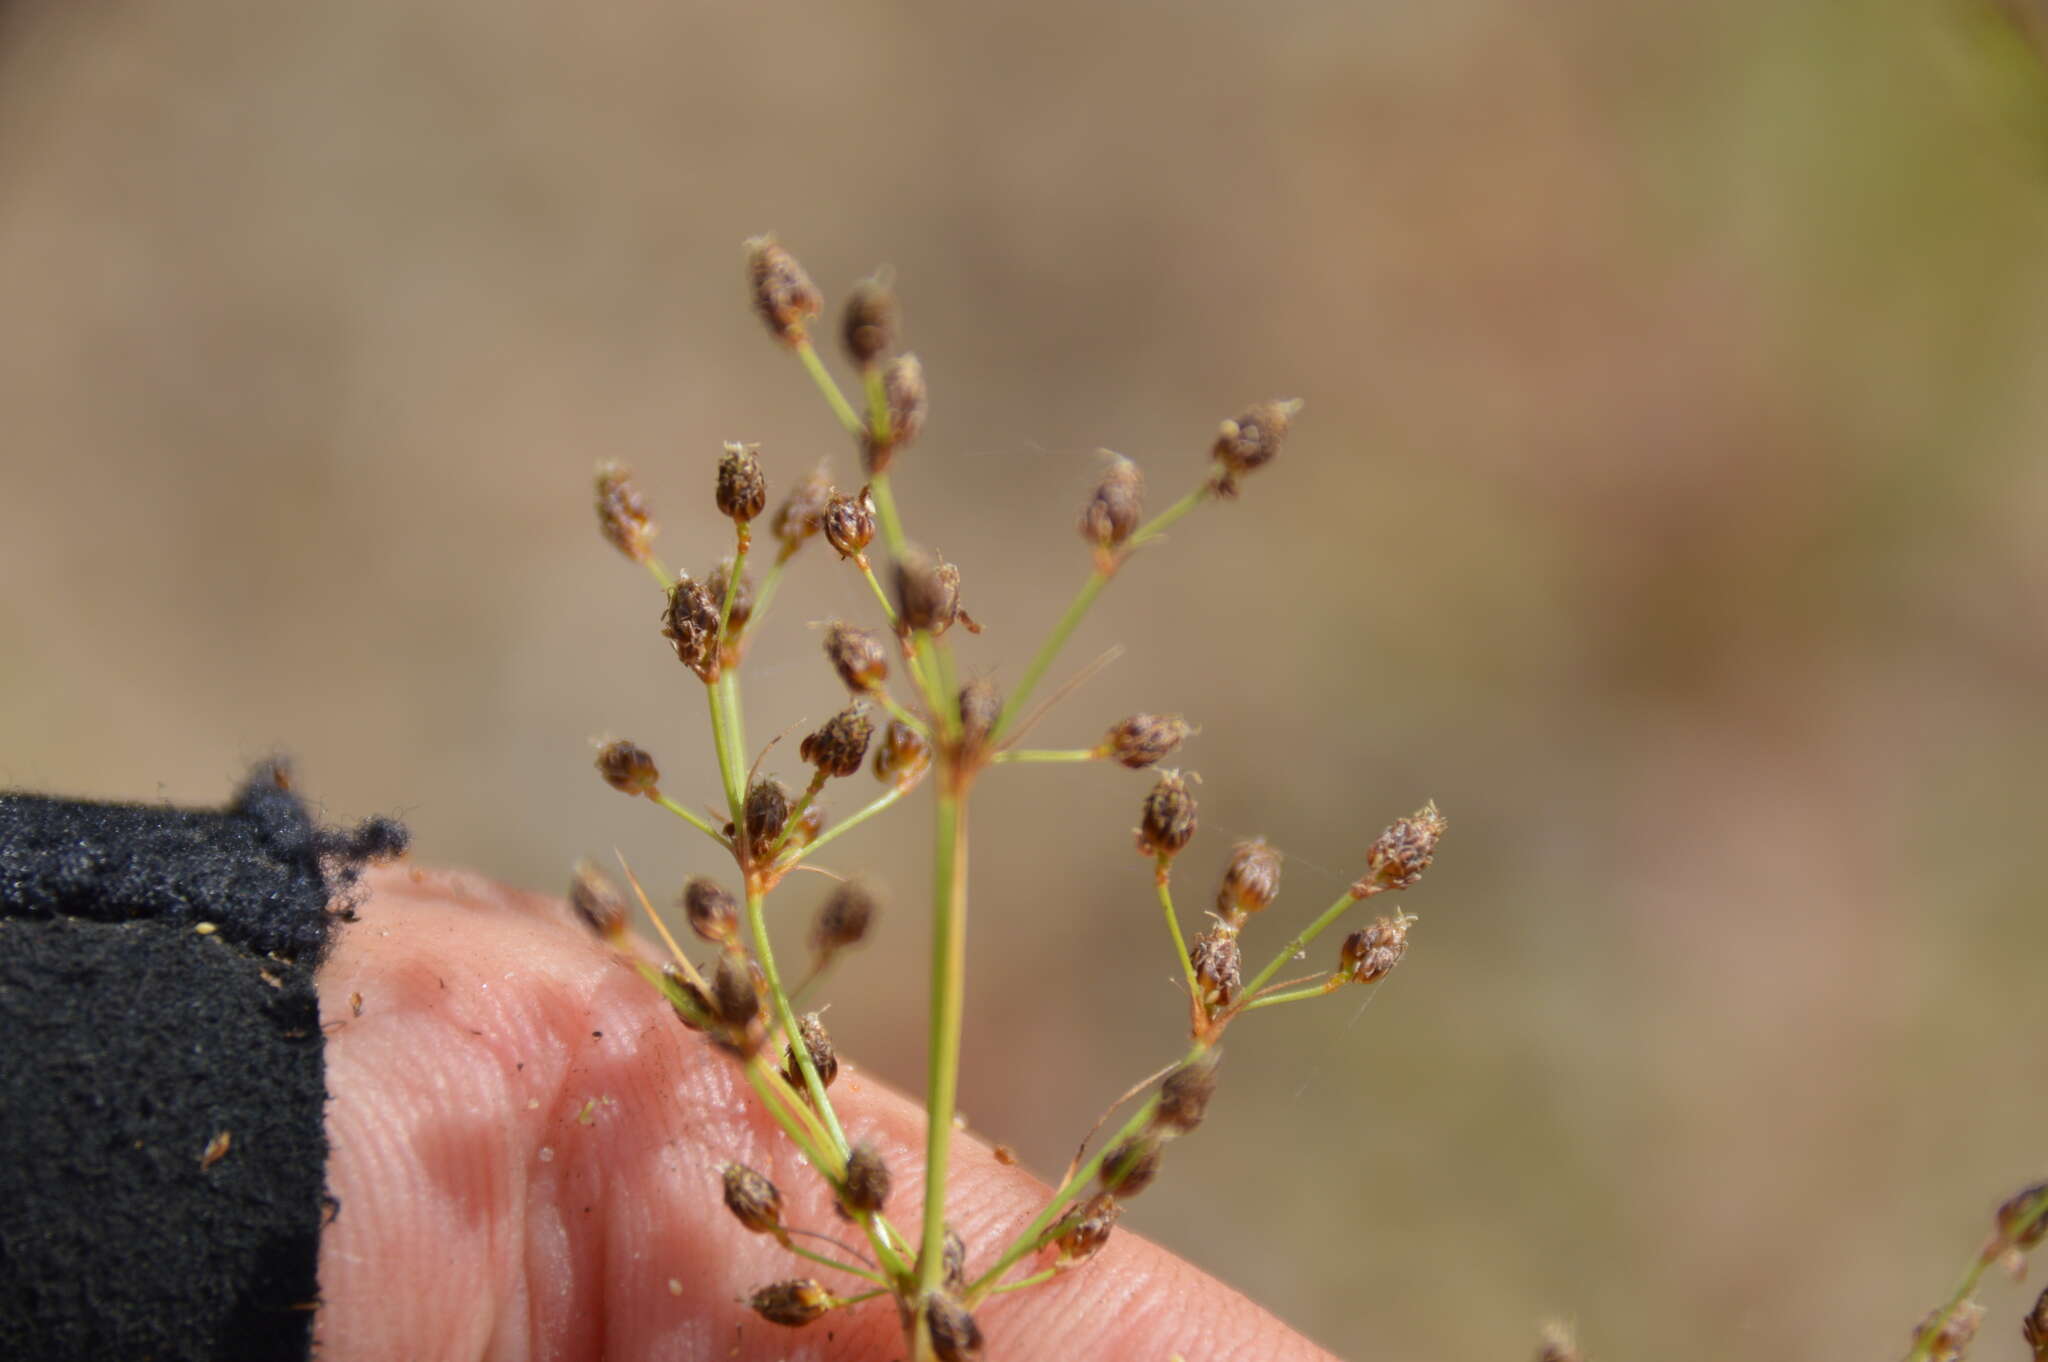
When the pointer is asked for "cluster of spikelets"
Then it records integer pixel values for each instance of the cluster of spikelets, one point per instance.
(952, 730)
(2017, 1227)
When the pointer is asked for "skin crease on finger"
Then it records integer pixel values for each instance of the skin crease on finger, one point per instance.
(527, 1148)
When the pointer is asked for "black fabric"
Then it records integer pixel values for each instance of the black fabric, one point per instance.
(162, 1091)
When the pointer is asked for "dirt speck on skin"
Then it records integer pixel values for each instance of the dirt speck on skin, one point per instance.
(355, 1004)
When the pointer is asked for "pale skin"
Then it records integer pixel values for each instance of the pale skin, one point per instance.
(527, 1145)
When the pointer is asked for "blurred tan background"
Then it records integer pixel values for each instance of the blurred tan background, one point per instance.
(1668, 505)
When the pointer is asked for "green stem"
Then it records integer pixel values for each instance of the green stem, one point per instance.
(1033, 1280)
(796, 815)
(1032, 754)
(764, 951)
(690, 816)
(1311, 991)
(1085, 598)
(1301, 941)
(948, 990)
(805, 1140)
(732, 592)
(886, 517)
(851, 822)
(766, 594)
(867, 570)
(1164, 879)
(878, 402)
(1923, 1342)
(867, 1274)
(930, 674)
(841, 408)
(899, 713)
(661, 574)
(731, 772)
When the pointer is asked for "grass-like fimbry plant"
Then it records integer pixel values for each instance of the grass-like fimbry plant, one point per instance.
(946, 734)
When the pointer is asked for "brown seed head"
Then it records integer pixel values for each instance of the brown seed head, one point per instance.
(795, 1302)
(1250, 882)
(1370, 953)
(597, 902)
(902, 756)
(742, 490)
(1184, 1095)
(981, 704)
(1128, 1168)
(1250, 442)
(849, 523)
(1218, 967)
(818, 1044)
(858, 657)
(767, 813)
(711, 911)
(1084, 1229)
(927, 594)
(1145, 739)
(691, 624)
(797, 519)
(866, 1185)
(955, 1260)
(1399, 855)
(844, 919)
(735, 992)
(753, 1200)
(1116, 506)
(1168, 820)
(870, 321)
(841, 744)
(622, 512)
(2034, 1328)
(1949, 1340)
(808, 826)
(1557, 1344)
(2023, 1216)
(628, 769)
(955, 1335)
(909, 402)
(783, 294)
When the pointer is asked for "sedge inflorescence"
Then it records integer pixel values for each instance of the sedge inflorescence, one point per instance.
(912, 721)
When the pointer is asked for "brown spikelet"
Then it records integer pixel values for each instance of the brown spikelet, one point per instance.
(783, 294)
(622, 512)
(865, 1187)
(1557, 1345)
(1116, 505)
(628, 769)
(981, 704)
(840, 745)
(844, 919)
(903, 755)
(908, 401)
(690, 623)
(1184, 1095)
(1370, 953)
(955, 1336)
(1167, 822)
(1948, 1340)
(1128, 1168)
(711, 912)
(767, 814)
(818, 1045)
(857, 656)
(1399, 855)
(753, 1200)
(927, 592)
(794, 1303)
(1145, 739)
(797, 519)
(1218, 963)
(742, 490)
(596, 901)
(1251, 441)
(2034, 1328)
(849, 523)
(1084, 1229)
(1251, 880)
(870, 321)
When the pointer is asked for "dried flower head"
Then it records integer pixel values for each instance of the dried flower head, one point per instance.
(1184, 1094)
(818, 1045)
(753, 1200)
(1144, 739)
(2034, 1328)
(795, 1302)
(1218, 966)
(955, 1336)
(1948, 1340)
(1116, 505)
(902, 756)
(783, 294)
(1167, 822)
(865, 1187)
(927, 592)
(1251, 881)
(844, 918)
(1399, 855)
(691, 624)
(742, 490)
(870, 321)
(735, 991)
(797, 519)
(2023, 1216)
(849, 522)
(808, 826)
(711, 911)
(956, 1260)
(596, 901)
(1129, 1167)
(1370, 953)
(1250, 442)
(908, 401)
(857, 655)
(767, 814)
(1084, 1229)
(981, 704)
(628, 769)
(840, 744)
(622, 512)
